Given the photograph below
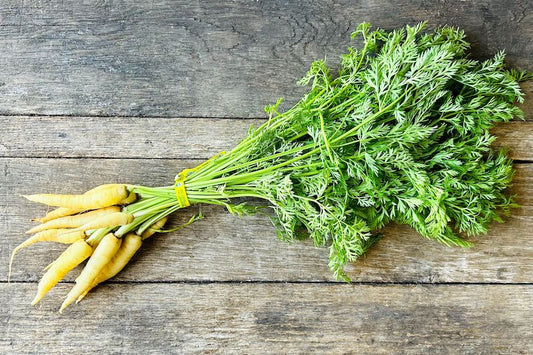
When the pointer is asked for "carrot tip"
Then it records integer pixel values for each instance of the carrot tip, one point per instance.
(36, 300)
(29, 197)
(82, 296)
(66, 303)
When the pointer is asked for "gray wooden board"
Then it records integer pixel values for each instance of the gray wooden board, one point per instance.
(273, 318)
(209, 58)
(121, 137)
(222, 247)
(134, 137)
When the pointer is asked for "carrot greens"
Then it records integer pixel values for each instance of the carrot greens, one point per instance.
(399, 134)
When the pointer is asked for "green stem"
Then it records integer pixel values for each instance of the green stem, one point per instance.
(253, 162)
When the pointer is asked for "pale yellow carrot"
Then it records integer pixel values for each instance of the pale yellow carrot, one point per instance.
(154, 228)
(106, 196)
(57, 213)
(113, 219)
(74, 221)
(100, 257)
(130, 244)
(68, 260)
(132, 197)
(64, 211)
(52, 235)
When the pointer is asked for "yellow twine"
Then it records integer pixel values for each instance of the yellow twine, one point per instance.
(179, 185)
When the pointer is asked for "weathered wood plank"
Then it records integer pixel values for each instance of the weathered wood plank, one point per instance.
(272, 318)
(120, 137)
(174, 138)
(223, 247)
(517, 137)
(174, 58)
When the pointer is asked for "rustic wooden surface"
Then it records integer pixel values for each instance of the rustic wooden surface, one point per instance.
(277, 318)
(105, 91)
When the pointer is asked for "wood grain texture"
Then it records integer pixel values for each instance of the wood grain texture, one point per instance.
(226, 248)
(174, 138)
(273, 319)
(120, 137)
(517, 137)
(210, 58)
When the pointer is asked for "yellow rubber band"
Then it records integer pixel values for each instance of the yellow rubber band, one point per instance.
(179, 184)
(181, 194)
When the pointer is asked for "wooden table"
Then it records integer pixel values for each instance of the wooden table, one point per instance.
(135, 91)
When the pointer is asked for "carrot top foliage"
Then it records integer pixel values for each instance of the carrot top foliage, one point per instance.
(400, 133)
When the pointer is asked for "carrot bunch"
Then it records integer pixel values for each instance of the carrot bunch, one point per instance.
(87, 222)
(400, 133)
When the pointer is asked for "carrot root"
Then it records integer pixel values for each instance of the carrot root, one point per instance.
(103, 196)
(113, 219)
(64, 236)
(154, 228)
(101, 256)
(130, 244)
(68, 260)
(57, 213)
(132, 197)
(74, 221)
(64, 211)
